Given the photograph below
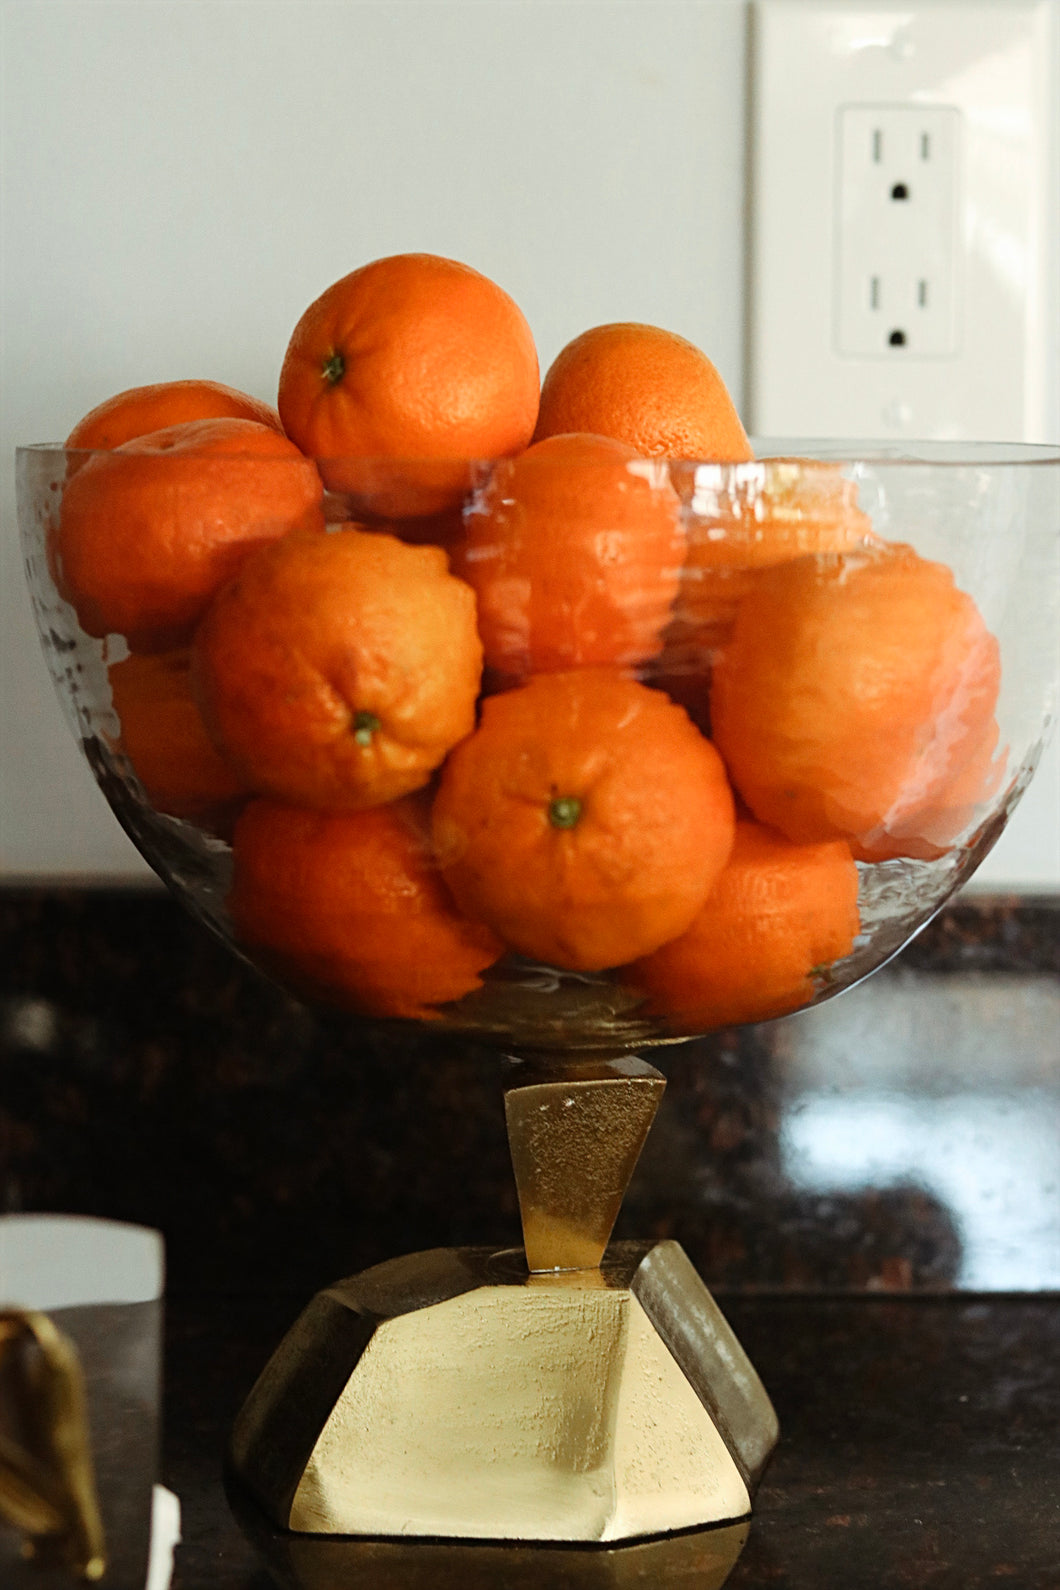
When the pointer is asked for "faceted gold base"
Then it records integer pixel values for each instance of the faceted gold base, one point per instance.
(454, 1394)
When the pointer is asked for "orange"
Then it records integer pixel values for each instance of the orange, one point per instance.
(412, 358)
(336, 671)
(575, 551)
(350, 907)
(143, 409)
(751, 516)
(163, 736)
(646, 387)
(855, 701)
(149, 531)
(779, 914)
(407, 496)
(739, 519)
(584, 821)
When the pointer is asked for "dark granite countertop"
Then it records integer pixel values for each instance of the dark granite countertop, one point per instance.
(901, 1137)
(920, 1450)
(870, 1188)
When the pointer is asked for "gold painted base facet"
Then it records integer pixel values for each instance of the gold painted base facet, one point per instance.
(455, 1394)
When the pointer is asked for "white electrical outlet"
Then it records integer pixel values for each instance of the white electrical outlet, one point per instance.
(905, 270)
(897, 218)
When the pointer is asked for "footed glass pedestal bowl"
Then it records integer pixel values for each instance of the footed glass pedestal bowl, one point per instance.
(585, 760)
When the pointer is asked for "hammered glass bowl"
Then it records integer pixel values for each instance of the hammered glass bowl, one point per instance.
(887, 736)
(989, 514)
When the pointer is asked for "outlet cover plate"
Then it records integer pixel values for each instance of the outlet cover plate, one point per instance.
(991, 373)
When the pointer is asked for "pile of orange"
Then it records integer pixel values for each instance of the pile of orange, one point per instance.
(468, 666)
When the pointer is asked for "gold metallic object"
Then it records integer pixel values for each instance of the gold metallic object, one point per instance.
(574, 1393)
(576, 1133)
(454, 1393)
(47, 1487)
(699, 1559)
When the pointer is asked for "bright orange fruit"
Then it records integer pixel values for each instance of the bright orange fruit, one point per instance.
(855, 700)
(149, 531)
(143, 409)
(741, 519)
(336, 671)
(165, 739)
(646, 387)
(574, 550)
(584, 821)
(778, 915)
(412, 358)
(349, 906)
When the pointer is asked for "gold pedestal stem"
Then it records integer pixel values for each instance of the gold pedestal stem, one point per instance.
(576, 1129)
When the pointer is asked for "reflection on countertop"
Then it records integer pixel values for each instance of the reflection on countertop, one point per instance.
(946, 1084)
(904, 1136)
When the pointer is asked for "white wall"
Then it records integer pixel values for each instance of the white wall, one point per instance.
(181, 177)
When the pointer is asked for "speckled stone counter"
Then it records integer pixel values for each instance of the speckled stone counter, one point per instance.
(871, 1189)
(899, 1137)
(920, 1450)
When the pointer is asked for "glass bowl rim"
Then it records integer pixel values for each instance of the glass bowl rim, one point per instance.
(872, 454)
(908, 454)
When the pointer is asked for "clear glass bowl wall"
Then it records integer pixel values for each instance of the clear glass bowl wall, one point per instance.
(991, 514)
